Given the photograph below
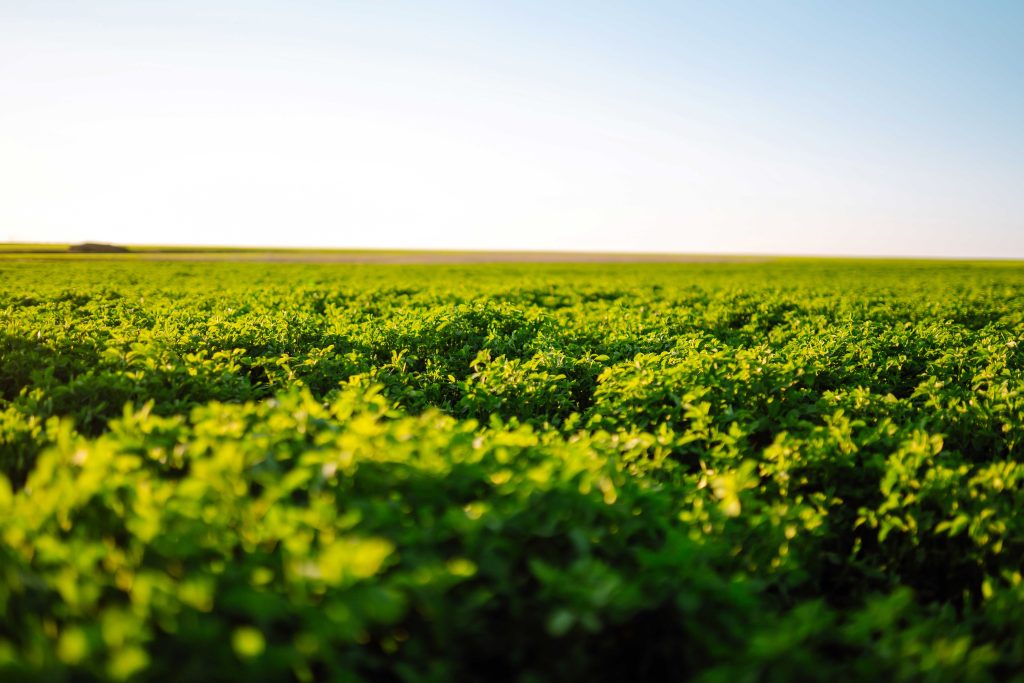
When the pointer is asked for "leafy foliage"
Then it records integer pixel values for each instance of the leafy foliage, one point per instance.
(775, 471)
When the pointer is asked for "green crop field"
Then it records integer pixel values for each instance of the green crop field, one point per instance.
(789, 470)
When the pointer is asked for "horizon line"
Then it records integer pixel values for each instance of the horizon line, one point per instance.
(143, 248)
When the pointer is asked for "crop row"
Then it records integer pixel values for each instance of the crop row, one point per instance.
(769, 471)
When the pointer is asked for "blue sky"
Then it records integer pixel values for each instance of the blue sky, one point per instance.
(885, 128)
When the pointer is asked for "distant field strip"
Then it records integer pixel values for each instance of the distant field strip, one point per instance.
(382, 257)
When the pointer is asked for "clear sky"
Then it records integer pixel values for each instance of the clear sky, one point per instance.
(885, 128)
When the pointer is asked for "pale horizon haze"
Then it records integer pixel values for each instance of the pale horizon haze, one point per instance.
(875, 128)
